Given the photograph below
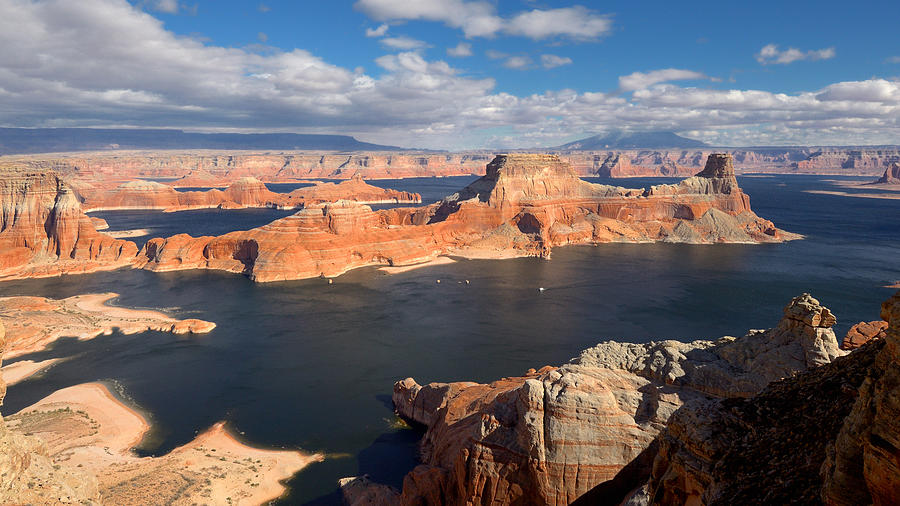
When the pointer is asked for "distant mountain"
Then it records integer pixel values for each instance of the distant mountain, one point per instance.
(631, 140)
(48, 140)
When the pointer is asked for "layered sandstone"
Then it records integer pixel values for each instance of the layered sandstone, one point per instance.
(524, 205)
(44, 232)
(208, 168)
(830, 435)
(246, 192)
(552, 435)
(862, 333)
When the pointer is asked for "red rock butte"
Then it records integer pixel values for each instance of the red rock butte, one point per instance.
(525, 204)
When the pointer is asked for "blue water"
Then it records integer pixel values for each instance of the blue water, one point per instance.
(310, 365)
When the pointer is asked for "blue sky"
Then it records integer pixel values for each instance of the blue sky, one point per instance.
(458, 74)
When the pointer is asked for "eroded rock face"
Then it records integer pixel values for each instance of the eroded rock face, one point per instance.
(44, 232)
(524, 205)
(891, 175)
(863, 332)
(552, 435)
(864, 459)
(827, 435)
(29, 476)
(246, 192)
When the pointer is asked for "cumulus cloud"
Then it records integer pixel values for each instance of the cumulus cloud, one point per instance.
(771, 54)
(577, 22)
(518, 62)
(549, 61)
(461, 50)
(641, 80)
(377, 32)
(479, 18)
(403, 43)
(108, 63)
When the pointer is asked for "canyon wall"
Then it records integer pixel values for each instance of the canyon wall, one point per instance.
(524, 205)
(243, 193)
(44, 232)
(199, 168)
(551, 436)
(891, 175)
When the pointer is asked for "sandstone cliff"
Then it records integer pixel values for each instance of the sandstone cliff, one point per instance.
(221, 168)
(524, 205)
(891, 175)
(830, 435)
(44, 232)
(552, 435)
(243, 193)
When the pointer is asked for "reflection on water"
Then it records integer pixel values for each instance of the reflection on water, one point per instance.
(310, 365)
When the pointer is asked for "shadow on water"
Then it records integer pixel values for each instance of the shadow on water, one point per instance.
(309, 365)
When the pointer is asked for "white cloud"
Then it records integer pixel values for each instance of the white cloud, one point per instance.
(577, 23)
(377, 32)
(495, 55)
(518, 62)
(479, 18)
(549, 61)
(403, 43)
(893, 59)
(641, 80)
(262, 37)
(461, 50)
(167, 6)
(771, 54)
(108, 63)
(263, 8)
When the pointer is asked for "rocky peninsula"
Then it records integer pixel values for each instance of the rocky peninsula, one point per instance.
(668, 423)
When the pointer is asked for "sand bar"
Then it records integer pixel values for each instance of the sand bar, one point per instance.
(124, 234)
(23, 369)
(86, 427)
(406, 268)
(32, 323)
(886, 196)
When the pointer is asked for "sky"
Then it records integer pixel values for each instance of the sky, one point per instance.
(459, 74)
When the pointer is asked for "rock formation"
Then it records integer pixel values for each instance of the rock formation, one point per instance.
(863, 332)
(552, 435)
(243, 193)
(29, 476)
(200, 168)
(524, 205)
(891, 175)
(44, 232)
(828, 435)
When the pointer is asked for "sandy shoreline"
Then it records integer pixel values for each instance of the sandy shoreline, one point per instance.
(24, 369)
(124, 234)
(33, 323)
(886, 196)
(442, 260)
(88, 428)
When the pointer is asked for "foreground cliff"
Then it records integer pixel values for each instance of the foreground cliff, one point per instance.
(44, 232)
(553, 435)
(523, 205)
(831, 435)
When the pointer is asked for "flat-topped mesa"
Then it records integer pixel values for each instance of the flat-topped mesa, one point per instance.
(44, 232)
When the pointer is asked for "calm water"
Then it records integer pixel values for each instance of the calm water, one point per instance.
(310, 365)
